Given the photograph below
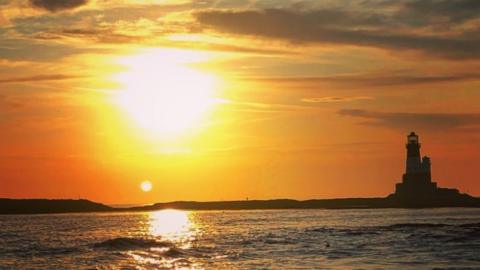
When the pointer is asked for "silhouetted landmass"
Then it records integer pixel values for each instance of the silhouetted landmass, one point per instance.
(348, 203)
(11, 206)
(44, 206)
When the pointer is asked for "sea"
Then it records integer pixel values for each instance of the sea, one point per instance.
(443, 238)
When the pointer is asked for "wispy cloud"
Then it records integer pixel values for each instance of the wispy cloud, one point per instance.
(379, 79)
(335, 99)
(407, 120)
(36, 78)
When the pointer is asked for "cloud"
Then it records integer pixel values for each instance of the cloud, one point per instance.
(334, 99)
(258, 107)
(451, 11)
(57, 5)
(409, 79)
(111, 36)
(225, 47)
(407, 120)
(25, 50)
(376, 79)
(338, 27)
(52, 77)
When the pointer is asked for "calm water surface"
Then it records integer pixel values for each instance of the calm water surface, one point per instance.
(277, 239)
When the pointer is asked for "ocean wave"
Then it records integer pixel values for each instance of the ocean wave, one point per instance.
(438, 231)
(470, 225)
(42, 251)
(7, 234)
(125, 243)
(461, 234)
(395, 226)
(344, 231)
(417, 225)
(174, 252)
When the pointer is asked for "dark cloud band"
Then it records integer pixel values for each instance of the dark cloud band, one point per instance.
(57, 5)
(346, 28)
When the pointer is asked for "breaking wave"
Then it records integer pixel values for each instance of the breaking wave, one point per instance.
(125, 243)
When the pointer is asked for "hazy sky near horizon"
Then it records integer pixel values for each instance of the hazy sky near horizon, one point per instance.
(228, 99)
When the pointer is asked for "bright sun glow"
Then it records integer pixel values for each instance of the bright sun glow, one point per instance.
(146, 186)
(163, 94)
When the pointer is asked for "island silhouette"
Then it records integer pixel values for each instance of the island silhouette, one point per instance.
(416, 190)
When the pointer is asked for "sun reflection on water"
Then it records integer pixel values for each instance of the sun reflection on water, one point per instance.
(173, 225)
(173, 233)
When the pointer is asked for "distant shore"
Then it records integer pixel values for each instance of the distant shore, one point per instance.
(47, 206)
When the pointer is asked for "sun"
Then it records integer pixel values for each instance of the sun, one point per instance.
(163, 94)
(146, 186)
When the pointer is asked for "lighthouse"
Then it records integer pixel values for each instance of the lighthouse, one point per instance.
(417, 179)
(416, 188)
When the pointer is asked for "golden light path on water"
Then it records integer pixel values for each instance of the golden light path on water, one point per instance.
(175, 228)
(173, 225)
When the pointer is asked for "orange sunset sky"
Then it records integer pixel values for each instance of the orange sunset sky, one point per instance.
(229, 99)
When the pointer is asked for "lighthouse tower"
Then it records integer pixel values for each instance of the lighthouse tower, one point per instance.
(417, 179)
(414, 163)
